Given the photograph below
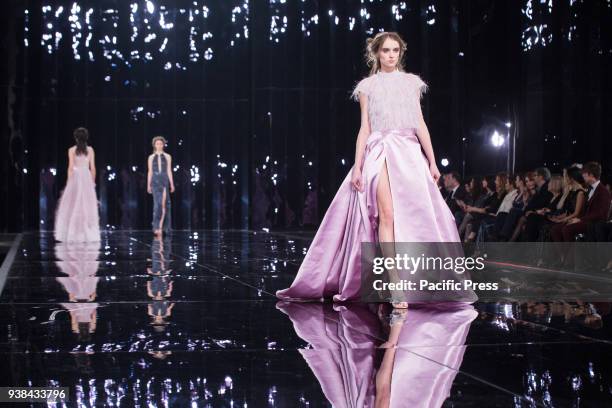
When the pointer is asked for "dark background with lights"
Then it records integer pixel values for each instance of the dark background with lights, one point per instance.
(253, 97)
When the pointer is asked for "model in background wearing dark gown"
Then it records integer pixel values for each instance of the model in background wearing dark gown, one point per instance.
(159, 181)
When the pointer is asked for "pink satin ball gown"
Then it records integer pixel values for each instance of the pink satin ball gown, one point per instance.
(331, 268)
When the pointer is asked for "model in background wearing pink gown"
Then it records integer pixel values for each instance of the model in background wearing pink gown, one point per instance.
(77, 218)
(390, 194)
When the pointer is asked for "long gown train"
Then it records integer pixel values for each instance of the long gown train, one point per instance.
(77, 219)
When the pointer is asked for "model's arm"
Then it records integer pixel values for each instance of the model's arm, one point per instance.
(92, 165)
(362, 137)
(70, 162)
(149, 173)
(425, 139)
(169, 171)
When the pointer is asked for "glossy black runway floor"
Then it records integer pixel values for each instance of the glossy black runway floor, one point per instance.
(191, 321)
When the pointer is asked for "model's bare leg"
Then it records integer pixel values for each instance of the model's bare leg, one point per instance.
(386, 232)
(385, 372)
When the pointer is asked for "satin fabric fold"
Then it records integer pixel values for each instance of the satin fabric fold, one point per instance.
(331, 267)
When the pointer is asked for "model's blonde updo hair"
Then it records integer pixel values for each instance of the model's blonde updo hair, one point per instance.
(374, 44)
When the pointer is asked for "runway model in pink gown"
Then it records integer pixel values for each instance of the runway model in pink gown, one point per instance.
(390, 195)
(77, 218)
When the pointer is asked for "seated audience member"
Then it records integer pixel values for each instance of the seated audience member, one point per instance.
(536, 219)
(480, 193)
(601, 231)
(540, 198)
(597, 207)
(490, 206)
(455, 191)
(491, 226)
(572, 202)
(525, 185)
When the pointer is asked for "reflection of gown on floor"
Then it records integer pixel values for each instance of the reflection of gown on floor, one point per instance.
(80, 263)
(77, 218)
(343, 347)
(332, 264)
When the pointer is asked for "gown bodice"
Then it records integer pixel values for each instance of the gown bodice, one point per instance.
(160, 163)
(394, 99)
(81, 161)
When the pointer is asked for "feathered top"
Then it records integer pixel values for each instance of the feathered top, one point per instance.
(394, 99)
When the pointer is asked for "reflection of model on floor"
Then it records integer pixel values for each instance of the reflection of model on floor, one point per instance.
(80, 263)
(363, 356)
(160, 287)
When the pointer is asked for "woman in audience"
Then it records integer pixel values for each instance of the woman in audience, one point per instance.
(479, 194)
(532, 187)
(490, 226)
(525, 184)
(575, 200)
(536, 219)
(490, 205)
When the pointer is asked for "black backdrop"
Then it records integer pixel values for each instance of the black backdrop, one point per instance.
(253, 97)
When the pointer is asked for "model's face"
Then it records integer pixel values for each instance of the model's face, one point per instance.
(159, 145)
(388, 54)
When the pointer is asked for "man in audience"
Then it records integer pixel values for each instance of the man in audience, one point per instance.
(455, 191)
(542, 196)
(597, 207)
